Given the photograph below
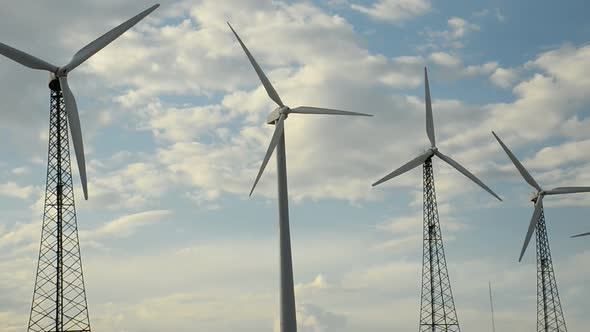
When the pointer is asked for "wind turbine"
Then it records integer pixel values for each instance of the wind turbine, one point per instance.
(433, 150)
(59, 78)
(59, 296)
(288, 321)
(550, 314)
(437, 309)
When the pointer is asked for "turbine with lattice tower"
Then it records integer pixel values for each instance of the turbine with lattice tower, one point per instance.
(437, 308)
(550, 316)
(59, 298)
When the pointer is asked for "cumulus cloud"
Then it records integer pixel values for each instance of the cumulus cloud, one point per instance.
(504, 77)
(458, 29)
(12, 189)
(128, 225)
(394, 11)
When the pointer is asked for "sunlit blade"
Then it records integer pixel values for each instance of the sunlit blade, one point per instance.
(532, 225)
(75, 129)
(580, 235)
(272, 93)
(279, 129)
(525, 174)
(567, 190)
(26, 59)
(90, 49)
(429, 119)
(316, 110)
(465, 172)
(408, 166)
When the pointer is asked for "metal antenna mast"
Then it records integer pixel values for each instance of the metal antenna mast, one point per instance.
(549, 312)
(492, 307)
(437, 308)
(59, 299)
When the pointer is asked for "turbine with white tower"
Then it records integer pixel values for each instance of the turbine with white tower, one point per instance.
(288, 320)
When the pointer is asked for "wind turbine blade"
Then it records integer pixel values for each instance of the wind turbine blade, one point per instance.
(75, 129)
(408, 166)
(272, 93)
(532, 225)
(429, 118)
(279, 129)
(567, 190)
(525, 174)
(316, 110)
(583, 234)
(26, 59)
(101, 42)
(465, 172)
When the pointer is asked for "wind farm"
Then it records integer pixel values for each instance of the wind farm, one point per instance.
(195, 217)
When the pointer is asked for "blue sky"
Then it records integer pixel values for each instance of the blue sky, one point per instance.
(173, 121)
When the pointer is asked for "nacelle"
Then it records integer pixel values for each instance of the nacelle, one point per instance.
(274, 115)
(54, 82)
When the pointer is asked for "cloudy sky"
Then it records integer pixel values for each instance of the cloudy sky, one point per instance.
(173, 120)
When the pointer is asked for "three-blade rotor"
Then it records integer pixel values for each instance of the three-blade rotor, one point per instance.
(280, 114)
(538, 199)
(62, 75)
(433, 150)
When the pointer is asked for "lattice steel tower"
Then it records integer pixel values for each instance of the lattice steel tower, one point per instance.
(59, 299)
(437, 308)
(549, 312)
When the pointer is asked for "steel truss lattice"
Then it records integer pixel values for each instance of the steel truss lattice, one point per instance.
(437, 308)
(59, 299)
(549, 312)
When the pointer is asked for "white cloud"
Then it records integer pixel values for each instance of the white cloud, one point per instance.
(128, 225)
(12, 189)
(444, 59)
(499, 15)
(504, 77)
(458, 29)
(312, 318)
(317, 284)
(395, 11)
(21, 234)
(20, 170)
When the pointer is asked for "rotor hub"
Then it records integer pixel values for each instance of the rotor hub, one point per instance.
(536, 195)
(273, 117)
(61, 72)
